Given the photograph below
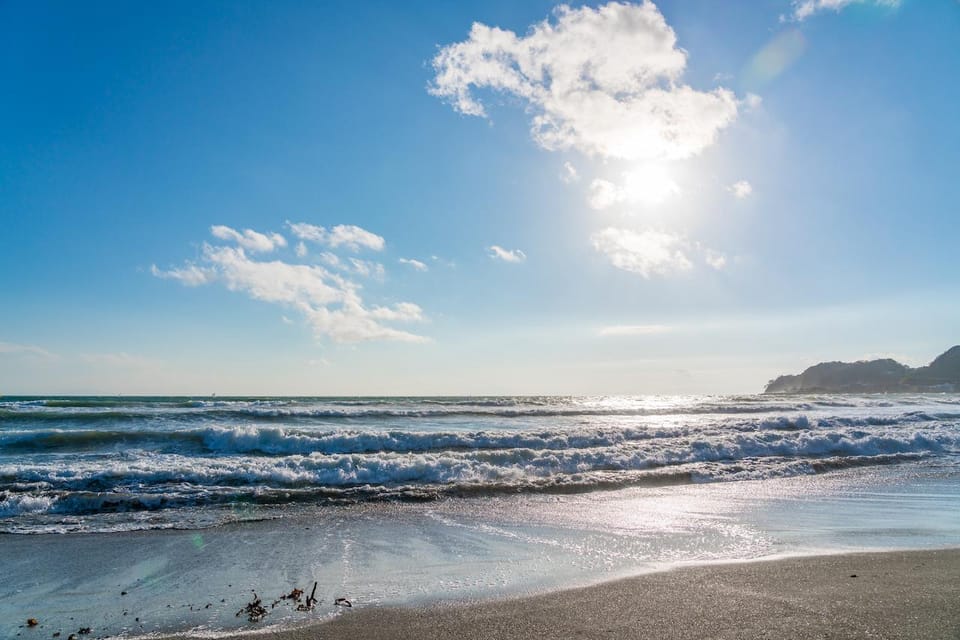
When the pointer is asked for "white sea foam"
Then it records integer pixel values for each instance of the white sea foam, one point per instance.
(15, 505)
(177, 454)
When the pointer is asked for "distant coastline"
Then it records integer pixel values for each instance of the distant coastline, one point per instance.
(874, 376)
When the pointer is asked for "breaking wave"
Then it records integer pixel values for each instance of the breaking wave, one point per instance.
(158, 462)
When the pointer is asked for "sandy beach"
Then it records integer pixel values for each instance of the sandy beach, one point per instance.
(864, 595)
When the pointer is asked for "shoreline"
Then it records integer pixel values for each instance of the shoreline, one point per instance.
(887, 594)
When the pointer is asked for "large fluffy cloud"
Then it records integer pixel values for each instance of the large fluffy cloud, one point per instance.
(604, 81)
(329, 300)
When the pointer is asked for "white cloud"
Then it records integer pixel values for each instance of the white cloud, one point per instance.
(647, 252)
(346, 235)
(414, 264)
(367, 268)
(740, 189)
(803, 9)
(715, 259)
(647, 185)
(633, 330)
(250, 239)
(603, 194)
(275, 281)
(301, 250)
(507, 255)
(120, 359)
(569, 173)
(331, 260)
(604, 81)
(752, 101)
(353, 323)
(403, 311)
(12, 348)
(450, 264)
(189, 274)
(330, 301)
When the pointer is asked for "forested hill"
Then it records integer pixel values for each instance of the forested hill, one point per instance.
(873, 376)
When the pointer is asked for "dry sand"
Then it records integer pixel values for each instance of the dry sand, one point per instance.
(894, 595)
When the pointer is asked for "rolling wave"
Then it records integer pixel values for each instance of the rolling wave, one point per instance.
(62, 459)
(272, 440)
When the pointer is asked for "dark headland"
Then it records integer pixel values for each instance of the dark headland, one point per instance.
(874, 376)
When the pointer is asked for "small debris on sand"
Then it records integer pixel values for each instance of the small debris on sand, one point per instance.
(255, 610)
(32, 622)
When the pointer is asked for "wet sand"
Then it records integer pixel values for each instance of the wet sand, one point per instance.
(894, 595)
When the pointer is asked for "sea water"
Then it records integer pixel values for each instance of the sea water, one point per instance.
(190, 505)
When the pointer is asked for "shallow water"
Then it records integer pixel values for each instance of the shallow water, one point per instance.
(457, 549)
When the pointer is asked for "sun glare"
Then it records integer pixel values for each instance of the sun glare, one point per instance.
(649, 184)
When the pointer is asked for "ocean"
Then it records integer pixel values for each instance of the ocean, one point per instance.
(181, 503)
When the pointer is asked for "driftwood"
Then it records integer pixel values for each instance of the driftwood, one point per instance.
(311, 600)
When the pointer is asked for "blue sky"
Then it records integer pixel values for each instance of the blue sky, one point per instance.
(684, 197)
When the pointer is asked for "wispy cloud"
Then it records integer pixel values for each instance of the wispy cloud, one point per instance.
(569, 173)
(647, 253)
(507, 255)
(329, 300)
(715, 259)
(413, 264)
(189, 274)
(633, 330)
(249, 239)
(119, 359)
(367, 268)
(740, 189)
(803, 9)
(605, 81)
(346, 235)
(12, 348)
